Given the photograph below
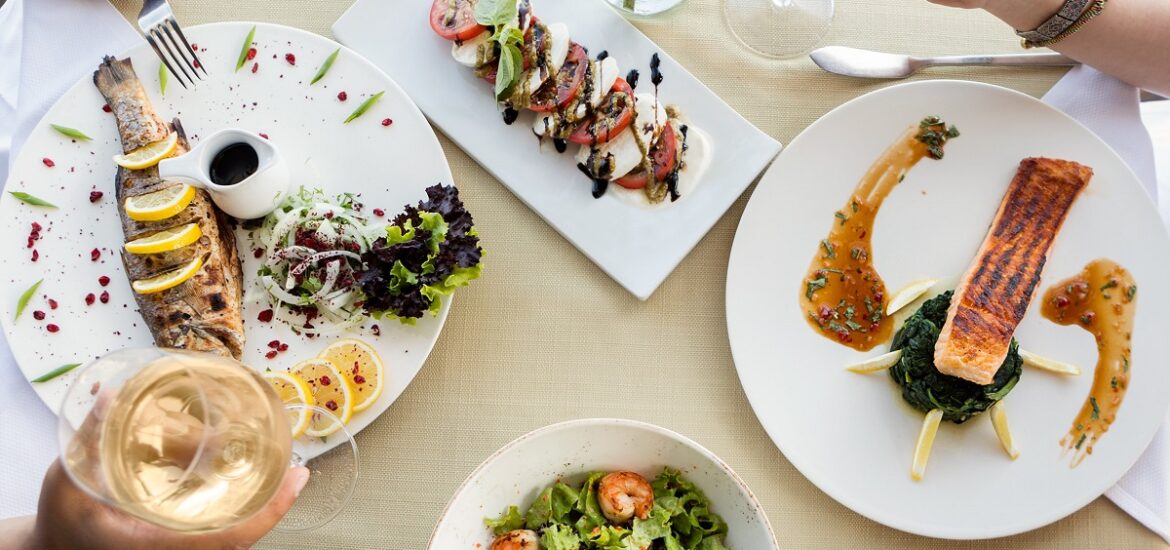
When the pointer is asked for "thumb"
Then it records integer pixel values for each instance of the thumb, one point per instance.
(267, 518)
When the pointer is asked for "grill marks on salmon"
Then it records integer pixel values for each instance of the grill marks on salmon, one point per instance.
(204, 312)
(994, 294)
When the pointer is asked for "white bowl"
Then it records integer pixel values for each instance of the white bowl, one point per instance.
(521, 469)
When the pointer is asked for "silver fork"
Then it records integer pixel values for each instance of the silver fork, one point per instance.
(157, 22)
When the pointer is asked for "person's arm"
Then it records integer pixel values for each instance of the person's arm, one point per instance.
(18, 533)
(1129, 40)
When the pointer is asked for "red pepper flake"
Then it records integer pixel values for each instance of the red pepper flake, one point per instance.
(274, 344)
(376, 330)
(251, 54)
(95, 255)
(359, 379)
(194, 47)
(292, 59)
(36, 255)
(196, 63)
(265, 316)
(263, 135)
(36, 227)
(103, 280)
(89, 299)
(270, 355)
(379, 212)
(52, 328)
(342, 96)
(255, 67)
(283, 347)
(95, 196)
(325, 381)
(52, 303)
(39, 315)
(331, 405)
(106, 107)
(387, 122)
(48, 162)
(105, 297)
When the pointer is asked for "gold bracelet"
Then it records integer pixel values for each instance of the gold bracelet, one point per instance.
(1094, 10)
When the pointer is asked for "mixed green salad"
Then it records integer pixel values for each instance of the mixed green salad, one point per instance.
(326, 260)
(924, 387)
(579, 516)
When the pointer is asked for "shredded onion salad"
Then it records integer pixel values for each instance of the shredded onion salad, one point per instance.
(312, 257)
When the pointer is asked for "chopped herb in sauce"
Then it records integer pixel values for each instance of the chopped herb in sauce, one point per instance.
(1096, 410)
(1111, 284)
(1131, 292)
(830, 252)
(1081, 441)
(859, 253)
(841, 217)
(815, 285)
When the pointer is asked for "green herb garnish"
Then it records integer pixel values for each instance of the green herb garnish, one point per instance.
(24, 298)
(1131, 292)
(1111, 284)
(933, 138)
(29, 199)
(162, 79)
(244, 50)
(830, 252)
(814, 285)
(55, 373)
(1081, 441)
(502, 15)
(1096, 410)
(841, 217)
(859, 253)
(365, 106)
(70, 132)
(325, 66)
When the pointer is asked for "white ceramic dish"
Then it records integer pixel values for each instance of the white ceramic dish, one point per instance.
(389, 166)
(853, 435)
(515, 474)
(636, 246)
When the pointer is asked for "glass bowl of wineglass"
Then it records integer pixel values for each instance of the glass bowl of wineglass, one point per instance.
(779, 29)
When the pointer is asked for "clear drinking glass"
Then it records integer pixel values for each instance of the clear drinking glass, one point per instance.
(195, 442)
(779, 28)
(643, 7)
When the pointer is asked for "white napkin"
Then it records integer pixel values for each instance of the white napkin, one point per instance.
(45, 47)
(1111, 109)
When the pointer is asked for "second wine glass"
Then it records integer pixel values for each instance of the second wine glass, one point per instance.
(779, 29)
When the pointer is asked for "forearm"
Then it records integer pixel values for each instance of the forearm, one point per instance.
(1128, 40)
(18, 533)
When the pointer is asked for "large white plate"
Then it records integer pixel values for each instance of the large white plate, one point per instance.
(635, 246)
(388, 166)
(853, 435)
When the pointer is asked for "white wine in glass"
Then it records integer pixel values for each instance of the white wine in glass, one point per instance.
(779, 28)
(190, 442)
(644, 7)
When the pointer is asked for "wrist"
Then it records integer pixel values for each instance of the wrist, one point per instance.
(1023, 15)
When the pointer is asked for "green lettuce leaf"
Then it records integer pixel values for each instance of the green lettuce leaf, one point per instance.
(559, 537)
(510, 520)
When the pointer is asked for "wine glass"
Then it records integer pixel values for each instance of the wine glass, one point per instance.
(643, 7)
(195, 442)
(779, 28)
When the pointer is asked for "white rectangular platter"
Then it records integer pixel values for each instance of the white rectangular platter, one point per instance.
(636, 245)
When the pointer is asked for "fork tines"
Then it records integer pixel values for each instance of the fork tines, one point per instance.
(179, 53)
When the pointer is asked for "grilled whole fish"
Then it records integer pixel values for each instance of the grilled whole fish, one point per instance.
(204, 312)
(993, 296)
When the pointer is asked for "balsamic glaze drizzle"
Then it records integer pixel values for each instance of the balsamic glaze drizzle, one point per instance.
(632, 78)
(604, 54)
(655, 74)
(510, 115)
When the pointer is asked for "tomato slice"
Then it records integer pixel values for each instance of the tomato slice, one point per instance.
(664, 156)
(455, 19)
(560, 91)
(611, 117)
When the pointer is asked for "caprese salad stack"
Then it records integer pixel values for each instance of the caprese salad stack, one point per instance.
(626, 138)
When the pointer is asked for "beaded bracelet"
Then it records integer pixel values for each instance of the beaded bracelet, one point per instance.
(1094, 10)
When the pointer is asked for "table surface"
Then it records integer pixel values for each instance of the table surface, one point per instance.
(544, 322)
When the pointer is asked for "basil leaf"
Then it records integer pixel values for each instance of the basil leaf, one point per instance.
(29, 199)
(70, 132)
(244, 50)
(24, 298)
(162, 79)
(495, 12)
(365, 106)
(510, 67)
(55, 373)
(325, 66)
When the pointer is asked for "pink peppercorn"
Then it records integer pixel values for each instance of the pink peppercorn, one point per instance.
(387, 122)
(270, 355)
(325, 381)
(379, 212)
(39, 315)
(48, 162)
(251, 54)
(95, 255)
(342, 96)
(36, 255)
(89, 299)
(52, 328)
(255, 67)
(52, 303)
(359, 379)
(95, 196)
(292, 59)
(105, 297)
(103, 280)
(106, 108)
(265, 316)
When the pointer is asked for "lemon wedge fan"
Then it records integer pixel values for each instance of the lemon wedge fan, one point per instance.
(161, 204)
(148, 155)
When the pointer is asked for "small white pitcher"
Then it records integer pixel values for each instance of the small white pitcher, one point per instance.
(255, 196)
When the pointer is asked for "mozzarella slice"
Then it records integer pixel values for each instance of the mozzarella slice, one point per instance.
(605, 73)
(558, 36)
(544, 124)
(625, 155)
(470, 53)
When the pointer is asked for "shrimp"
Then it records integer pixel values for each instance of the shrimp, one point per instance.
(520, 539)
(623, 495)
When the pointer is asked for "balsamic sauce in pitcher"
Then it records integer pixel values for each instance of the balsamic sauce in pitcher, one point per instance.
(233, 164)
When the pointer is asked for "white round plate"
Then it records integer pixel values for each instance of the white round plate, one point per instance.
(852, 435)
(389, 166)
(569, 451)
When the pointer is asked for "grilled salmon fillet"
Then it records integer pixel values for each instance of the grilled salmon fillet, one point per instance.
(994, 294)
(204, 312)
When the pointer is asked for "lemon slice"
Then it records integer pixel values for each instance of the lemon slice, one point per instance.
(170, 279)
(1000, 423)
(166, 241)
(148, 155)
(362, 366)
(874, 364)
(330, 389)
(160, 204)
(1041, 362)
(293, 391)
(912, 291)
(925, 442)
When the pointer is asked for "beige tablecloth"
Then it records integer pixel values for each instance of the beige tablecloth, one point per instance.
(545, 336)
